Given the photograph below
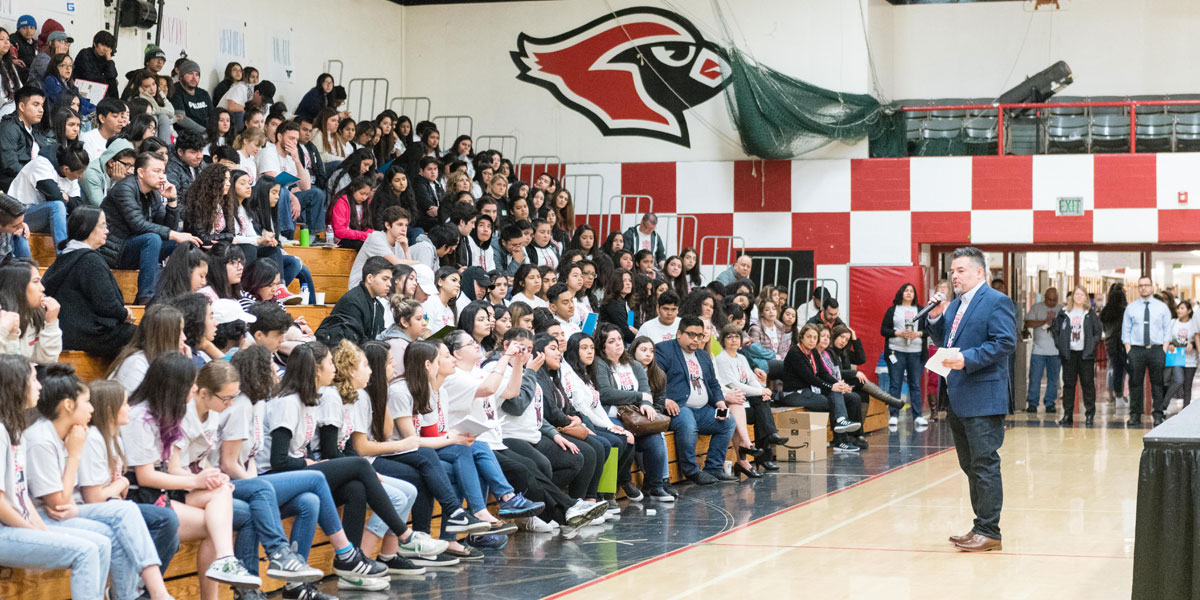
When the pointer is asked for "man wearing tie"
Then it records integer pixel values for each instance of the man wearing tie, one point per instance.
(978, 385)
(1145, 330)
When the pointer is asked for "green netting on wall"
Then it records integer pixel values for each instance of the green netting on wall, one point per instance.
(780, 117)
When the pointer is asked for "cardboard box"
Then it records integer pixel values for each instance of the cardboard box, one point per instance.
(806, 433)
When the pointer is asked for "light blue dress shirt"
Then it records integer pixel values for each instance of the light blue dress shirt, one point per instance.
(1133, 323)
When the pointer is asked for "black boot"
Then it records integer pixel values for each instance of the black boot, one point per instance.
(888, 399)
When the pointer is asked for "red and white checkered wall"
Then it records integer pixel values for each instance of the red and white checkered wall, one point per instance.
(878, 211)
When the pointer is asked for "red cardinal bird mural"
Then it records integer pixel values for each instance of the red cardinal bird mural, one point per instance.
(632, 72)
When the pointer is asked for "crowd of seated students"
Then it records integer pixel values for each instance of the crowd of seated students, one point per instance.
(486, 345)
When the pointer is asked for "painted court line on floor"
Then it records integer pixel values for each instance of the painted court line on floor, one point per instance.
(920, 551)
(690, 592)
(660, 557)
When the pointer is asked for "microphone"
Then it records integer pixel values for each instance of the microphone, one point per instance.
(936, 300)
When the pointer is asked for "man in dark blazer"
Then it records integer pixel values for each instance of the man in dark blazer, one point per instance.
(979, 323)
(692, 400)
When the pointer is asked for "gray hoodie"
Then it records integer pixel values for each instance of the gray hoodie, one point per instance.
(96, 182)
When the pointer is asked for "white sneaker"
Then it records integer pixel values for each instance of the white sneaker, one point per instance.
(535, 525)
(421, 544)
(893, 421)
(583, 512)
(228, 570)
(365, 584)
(921, 421)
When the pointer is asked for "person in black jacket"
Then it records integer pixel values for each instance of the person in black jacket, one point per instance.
(16, 133)
(1110, 318)
(906, 346)
(358, 315)
(94, 318)
(848, 354)
(142, 211)
(1077, 331)
(96, 63)
(616, 304)
(428, 193)
(806, 384)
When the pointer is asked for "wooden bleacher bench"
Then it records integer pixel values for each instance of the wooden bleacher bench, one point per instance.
(312, 313)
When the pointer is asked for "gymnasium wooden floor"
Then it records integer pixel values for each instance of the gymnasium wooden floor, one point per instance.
(867, 526)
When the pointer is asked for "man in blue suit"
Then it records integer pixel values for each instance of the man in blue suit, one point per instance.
(981, 328)
(693, 399)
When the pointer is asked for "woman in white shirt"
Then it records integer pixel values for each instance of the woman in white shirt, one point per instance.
(203, 501)
(905, 343)
(54, 446)
(440, 309)
(36, 335)
(160, 332)
(1184, 329)
(578, 380)
(735, 375)
(526, 285)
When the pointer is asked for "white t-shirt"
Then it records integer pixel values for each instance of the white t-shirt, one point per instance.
(240, 93)
(243, 421)
(46, 457)
(199, 439)
(903, 319)
(132, 372)
(400, 403)
(249, 165)
(547, 256)
(1185, 332)
(527, 425)
(269, 161)
(16, 489)
(644, 242)
(93, 143)
(657, 332)
(439, 314)
(458, 394)
(584, 397)
(331, 411)
(375, 245)
(583, 308)
(699, 394)
(140, 438)
(361, 416)
(569, 328)
(24, 185)
(1076, 317)
(93, 463)
(1043, 341)
(289, 413)
(533, 302)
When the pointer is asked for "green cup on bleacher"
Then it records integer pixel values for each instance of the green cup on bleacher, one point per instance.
(304, 237)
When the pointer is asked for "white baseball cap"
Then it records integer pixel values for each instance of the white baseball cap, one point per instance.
(226, 310)
(425, 279)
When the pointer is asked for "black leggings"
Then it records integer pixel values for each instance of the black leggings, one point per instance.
(758, 413)
(572, 472)
(355, 485)
(529, 472)
(625, 455)
(423, 469)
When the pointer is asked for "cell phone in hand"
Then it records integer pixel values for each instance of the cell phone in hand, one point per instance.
(722, 413)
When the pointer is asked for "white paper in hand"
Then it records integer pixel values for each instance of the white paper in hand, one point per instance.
(935, 362)
(472, 426)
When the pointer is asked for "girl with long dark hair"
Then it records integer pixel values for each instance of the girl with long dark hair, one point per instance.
(616, 309)
(262, 213)
(31, 328)
(393, 191)
(160, 332)
(579, 375)
(10, 80)
(350, 217)
(219, 130)
(1110, 318)
(907, 343)
(186, 273)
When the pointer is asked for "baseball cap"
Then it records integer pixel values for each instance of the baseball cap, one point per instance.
(27, 21)
(479, 276)
(226, 310)
(266, 90)
(425, 279)
(60, 36)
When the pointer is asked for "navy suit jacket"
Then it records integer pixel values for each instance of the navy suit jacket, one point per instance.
(986, 337)
(669, 355)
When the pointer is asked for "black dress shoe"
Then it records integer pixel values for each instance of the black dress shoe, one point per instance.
(743, 452)
(1051, 410)
(702, 478)
(1031, 409)
(777, 439)
(1158, 420)
(1134, 421)
(751, 473)
(1067, 420)
(723, 476)
(769, 465)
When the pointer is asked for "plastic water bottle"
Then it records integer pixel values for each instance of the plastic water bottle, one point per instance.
(304, 293)
(329, 241)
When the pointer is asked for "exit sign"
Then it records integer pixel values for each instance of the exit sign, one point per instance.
(1069, 207)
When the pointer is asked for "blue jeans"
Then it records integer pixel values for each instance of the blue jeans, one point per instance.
(163, 524)
(87, 554)
(1051, 365)
(653, 449)
(312, 211)
(459, 463)
(144, 252)
(20, 247)
(255, 518)
(906, 363)
(292, 268)
(308, 499)
(402, 494)
(687, 425)
(489, 470)
(132, 547)
(48, 217)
